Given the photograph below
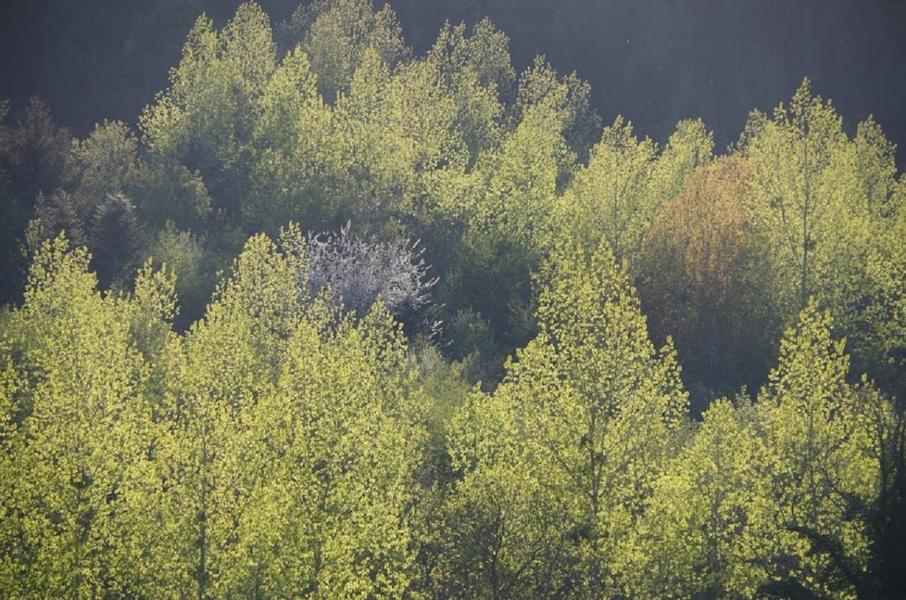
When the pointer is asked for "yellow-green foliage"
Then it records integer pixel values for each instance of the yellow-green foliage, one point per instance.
(764, 496)
(280, 448)
(564, 453)
(268, 452)
(76, 461)
(272, 446)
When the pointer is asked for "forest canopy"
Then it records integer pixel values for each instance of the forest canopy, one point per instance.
(333, 318)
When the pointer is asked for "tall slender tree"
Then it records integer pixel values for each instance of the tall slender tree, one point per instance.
(586, 416)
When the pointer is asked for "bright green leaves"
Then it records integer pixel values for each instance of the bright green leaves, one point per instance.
(609, 199)
(826, 203)
(568, 446)
(570, 96)
(772, 497)
(812, 366)
(340, 426)
(879, 334)
(78, 452)
(791, 154)
(690, 146)
(209, 456)
(626, 182)
(523, 179)
(268, 452)
(295, 156)
(205, 120)
(818, 455)
(279, 448)
(297, 444)
(289, 98)
(477, 71)
(876, 164)
(703, 513)
(336, 35)
(484, 52)
(262, 290)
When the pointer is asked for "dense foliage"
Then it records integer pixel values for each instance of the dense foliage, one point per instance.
(519, 353)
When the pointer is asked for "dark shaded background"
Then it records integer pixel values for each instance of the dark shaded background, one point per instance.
(653, 61)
